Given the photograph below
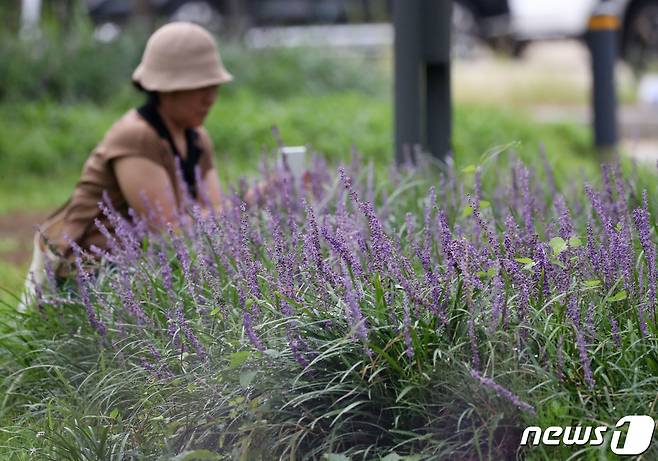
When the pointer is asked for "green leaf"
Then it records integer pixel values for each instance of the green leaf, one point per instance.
(114, 413)
(467, 211)
(575, 242)
(558, 244)
(524, 260)
(529, 263)
(238, 358)
(591, 283)
(653, 365)
(272, 353)
(392, 457)
(196, 455)
(489, 273)
(246, 377)
(335, 457)
(484, 204)
(215, 311)
(469, 169)
(404, 392)
(619, 296)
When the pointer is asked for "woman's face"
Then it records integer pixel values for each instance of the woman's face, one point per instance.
(189, 108)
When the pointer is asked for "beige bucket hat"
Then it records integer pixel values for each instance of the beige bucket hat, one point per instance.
(180, 56)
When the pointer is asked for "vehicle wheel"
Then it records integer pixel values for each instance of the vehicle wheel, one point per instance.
(640, 36)
(465, 31)
(202, 13)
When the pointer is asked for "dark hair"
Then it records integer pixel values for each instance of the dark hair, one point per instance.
(152, 97)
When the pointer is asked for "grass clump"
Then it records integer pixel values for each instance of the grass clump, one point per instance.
(431, 316)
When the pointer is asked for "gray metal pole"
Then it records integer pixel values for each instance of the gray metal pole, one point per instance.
(407, 20)
(423, 109)
(439, 110)
(602, 41)
(437, 22)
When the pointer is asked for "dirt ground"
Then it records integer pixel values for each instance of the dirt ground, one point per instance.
(16, 235)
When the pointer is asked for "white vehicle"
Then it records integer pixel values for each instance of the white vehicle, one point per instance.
(532, 20)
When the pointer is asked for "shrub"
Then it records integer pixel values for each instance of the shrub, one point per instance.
(427, 317)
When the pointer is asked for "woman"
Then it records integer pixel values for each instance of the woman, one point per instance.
(135, 165)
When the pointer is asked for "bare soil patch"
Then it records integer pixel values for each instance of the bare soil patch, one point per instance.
(17, 234)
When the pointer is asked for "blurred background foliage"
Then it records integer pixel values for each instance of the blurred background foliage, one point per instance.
(61, 90)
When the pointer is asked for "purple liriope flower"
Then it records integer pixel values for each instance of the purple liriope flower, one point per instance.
(559, 366)
(189, 334)
(477, 185)
(125, 291)
(338, 244)
(84, 282)
(247, 263)
(621, 204)
(477, 229)
(165, 270)
(297, 346)
(642, 223)
(527, 197)
(608, 198)
(410, 224)
(186, 199)
(573, 309)
(465, 263)
(584, 359)
(249, 329)
(312, 250)
(593, 250)
(148, 366)
(511, 239)
(523, 307)
(503, 392)
(370, 183)
(444, 237)
(544, 267)
(590, 326)
(406, 325)
(550, 176)
(599, 208)
(189, 272)
(389, 297)
(424, 253)
(123, 230)
(564, 218)
(498, 304)
(282, 260)
(357, 321)
(382, 250)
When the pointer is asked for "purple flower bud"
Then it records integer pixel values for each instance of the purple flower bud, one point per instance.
(584, 359)
(249, 329)
(503, 392)
(84, 283)
(189, 334)
(559, 366)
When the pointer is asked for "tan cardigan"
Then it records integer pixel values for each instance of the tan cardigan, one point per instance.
(130, 135)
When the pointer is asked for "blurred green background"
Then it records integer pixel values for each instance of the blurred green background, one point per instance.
(61, 89)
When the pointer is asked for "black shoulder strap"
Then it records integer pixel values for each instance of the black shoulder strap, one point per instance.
(150, 113)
